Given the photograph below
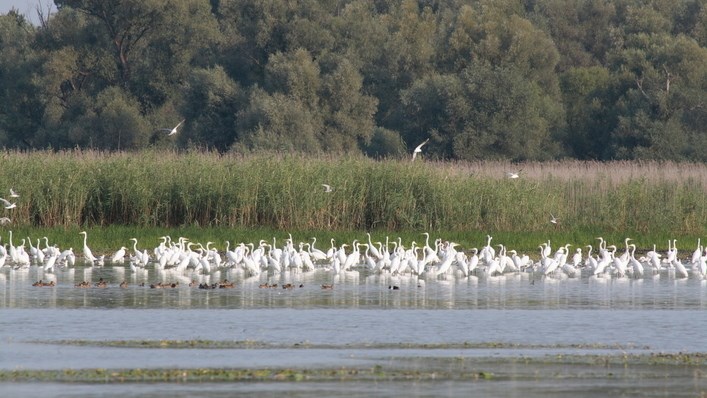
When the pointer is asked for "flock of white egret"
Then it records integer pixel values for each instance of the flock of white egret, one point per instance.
(437, 258)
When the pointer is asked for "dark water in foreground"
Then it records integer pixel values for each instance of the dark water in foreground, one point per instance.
(529, 317)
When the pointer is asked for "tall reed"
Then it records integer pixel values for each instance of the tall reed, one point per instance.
(73, 189)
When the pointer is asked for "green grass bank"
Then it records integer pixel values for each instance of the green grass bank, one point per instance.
(157, 190)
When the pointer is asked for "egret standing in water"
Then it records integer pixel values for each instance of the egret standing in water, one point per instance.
(87, 254)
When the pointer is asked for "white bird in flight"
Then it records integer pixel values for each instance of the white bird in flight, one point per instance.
(13, 194)
(513, 174)
(5, 221)
(418, 149)
(327, 188)
(7, 203)
(173, 131)
(553, 219)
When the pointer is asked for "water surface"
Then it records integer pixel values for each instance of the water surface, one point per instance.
(360, 322)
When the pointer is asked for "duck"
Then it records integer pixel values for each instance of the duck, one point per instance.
(327, 287)
(83, 285)
(207, 286)
(123, 284)
(101, 283)
(226, 284)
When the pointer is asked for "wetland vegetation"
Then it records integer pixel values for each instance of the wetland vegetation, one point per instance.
(221, 197)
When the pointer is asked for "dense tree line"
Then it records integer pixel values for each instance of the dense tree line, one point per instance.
(483, 79)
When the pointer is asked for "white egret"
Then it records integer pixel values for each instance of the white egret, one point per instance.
(549, 265)
(449, 258)
(635, 264)
(672, 251)
(473, 260)
(697, 253)
(487, 252)
(620, 265)
(87, 254)
(494, 267)
(13, 194)
(603, 263)
(13, 250)
(654, 260)
(119, 256)
(374, 251)
(547, 248)
(624, 257)
(591, 262)
(680, 269)
(316, 254)
(418, 149)
(577, 258)
(553, 219)
(327, 188)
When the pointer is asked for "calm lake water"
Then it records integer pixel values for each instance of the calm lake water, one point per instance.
(532, 316)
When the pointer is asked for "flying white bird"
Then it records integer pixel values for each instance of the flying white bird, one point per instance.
(173, 131)
(327, 188)
(5, 221)
(418, 149)
(7, 203)
(553, 219)
(13, 194)
(513, 174)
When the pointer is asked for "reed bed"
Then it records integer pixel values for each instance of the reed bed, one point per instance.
(83, 189)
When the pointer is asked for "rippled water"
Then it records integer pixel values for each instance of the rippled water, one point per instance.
(654, 314)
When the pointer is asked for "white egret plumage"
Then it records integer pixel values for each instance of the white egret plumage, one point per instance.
(87, 253)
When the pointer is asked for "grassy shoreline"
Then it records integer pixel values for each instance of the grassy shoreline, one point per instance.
(116, 196)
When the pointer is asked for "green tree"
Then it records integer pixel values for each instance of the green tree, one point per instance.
(20, 108)
(113, 122)
(212, 101)
(348, 113)
(589, 114)
(661, 89)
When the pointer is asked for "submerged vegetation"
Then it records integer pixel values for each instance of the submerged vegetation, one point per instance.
(252, 344)
(565, 367)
